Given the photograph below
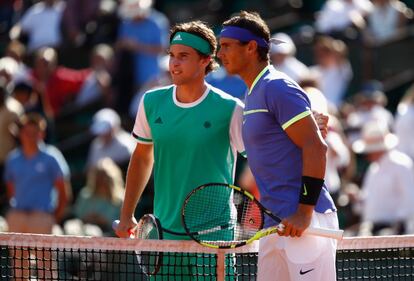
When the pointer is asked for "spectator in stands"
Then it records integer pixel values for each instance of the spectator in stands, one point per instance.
(388, 185)
(80, 18)
(56, 85)
(35, 181)
(111, 139)
(144, 33)
(161, 80)
(86, 23)
(17, 51)
(23, 92)
(37, 193)
(10, 110)
(41, 24)
(283, 57)
(369, 104)
(404, 122)
(8, 70)
(231, 84)
(332, 68)
(386, 18)
(99, 202)
(97, 85)
(336, 16)
(338, 154)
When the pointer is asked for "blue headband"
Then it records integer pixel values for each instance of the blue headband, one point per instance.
(243, 35)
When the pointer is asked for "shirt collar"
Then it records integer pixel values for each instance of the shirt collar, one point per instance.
(258, 78)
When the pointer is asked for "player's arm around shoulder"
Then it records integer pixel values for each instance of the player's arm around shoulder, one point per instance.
(305, 134)
(138, 174)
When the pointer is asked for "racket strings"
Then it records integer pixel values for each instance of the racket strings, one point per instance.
(149, 228)
(220, 216)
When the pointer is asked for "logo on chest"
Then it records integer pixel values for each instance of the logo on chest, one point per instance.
(207, 124)
(158, 121)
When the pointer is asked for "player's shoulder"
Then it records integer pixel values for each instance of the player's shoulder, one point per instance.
(224, 97)
(279, 82)
(154, 95)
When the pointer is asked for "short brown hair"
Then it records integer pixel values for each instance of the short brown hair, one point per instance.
(202, 30)
(254, 23)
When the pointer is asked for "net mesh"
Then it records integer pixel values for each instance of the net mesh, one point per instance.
(46, 257)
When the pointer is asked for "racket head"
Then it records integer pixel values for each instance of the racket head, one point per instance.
(149, 227)
(223, 216)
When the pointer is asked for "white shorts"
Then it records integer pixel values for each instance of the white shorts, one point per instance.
(306, 258)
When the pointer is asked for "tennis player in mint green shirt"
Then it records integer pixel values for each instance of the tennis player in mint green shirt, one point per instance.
(189, 132)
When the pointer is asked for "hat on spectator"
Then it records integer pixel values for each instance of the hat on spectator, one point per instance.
(129, 9)
(283, 44)
(372, 90)
(375, 137)
(104, 121)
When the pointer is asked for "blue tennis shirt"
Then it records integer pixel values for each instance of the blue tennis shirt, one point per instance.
(273, 103)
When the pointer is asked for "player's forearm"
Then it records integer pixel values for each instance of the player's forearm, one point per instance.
(138, 174)
(314, 159)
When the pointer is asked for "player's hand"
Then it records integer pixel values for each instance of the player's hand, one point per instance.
(322, 122)
(296, 224)
(126, 228)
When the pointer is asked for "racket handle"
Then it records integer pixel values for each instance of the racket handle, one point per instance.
(325, 232)
(115, 224)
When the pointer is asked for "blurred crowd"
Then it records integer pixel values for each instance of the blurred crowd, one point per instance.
(72, 74)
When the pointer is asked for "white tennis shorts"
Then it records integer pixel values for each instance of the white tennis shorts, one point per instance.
(307, 258)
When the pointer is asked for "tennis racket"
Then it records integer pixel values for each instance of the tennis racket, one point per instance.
(149, 227)
(225, 216)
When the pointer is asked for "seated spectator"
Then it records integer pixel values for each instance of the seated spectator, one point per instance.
(97, 85)
(282, 56)
(386, 18)
(99, 202)
(338, 15)
(56, 85)
(41, 24)
(332, 70)
(404, 121)
(388, 186)
(369, 104)
(111, 139)
(23, 93)
(17, 51)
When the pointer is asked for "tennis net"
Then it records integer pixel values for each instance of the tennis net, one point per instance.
(47, 257)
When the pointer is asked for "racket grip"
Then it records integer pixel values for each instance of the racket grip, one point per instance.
(115, 224)
(325, 232)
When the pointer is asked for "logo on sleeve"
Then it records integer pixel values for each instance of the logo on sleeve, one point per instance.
(207, 124)
(158, 121)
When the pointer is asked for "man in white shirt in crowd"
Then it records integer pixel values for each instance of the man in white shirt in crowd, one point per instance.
(388, 185)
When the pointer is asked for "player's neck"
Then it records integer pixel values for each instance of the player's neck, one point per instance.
(189, 93)
(250, 73)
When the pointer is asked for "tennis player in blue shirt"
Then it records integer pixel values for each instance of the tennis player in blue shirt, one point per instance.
(286, 154)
